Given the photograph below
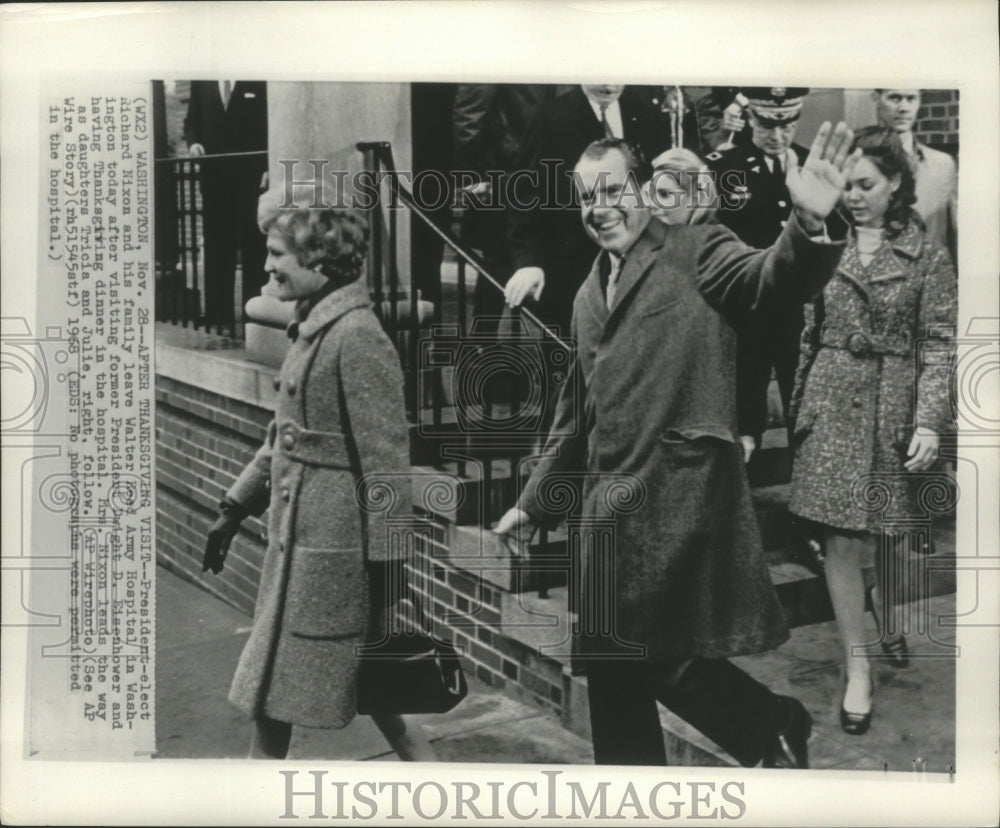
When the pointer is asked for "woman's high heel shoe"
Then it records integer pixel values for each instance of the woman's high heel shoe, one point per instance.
(856, 724)
(898, 654)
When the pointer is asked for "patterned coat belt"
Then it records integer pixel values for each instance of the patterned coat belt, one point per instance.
(864, 344)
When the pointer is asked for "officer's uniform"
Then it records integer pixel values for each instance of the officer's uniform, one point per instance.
(756, 206)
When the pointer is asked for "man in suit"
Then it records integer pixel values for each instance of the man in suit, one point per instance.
(489, 122)
(933, 171)
(757, 209)
(679, 583)
(550, 252)
(226, 117)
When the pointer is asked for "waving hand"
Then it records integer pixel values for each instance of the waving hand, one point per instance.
(816, 187)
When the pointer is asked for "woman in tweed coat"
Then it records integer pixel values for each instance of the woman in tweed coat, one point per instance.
(339, 415)
(870, 407)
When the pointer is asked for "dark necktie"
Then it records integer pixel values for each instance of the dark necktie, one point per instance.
(604, 123)
(616, 270)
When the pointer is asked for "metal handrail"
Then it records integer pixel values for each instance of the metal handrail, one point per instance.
(175, 159)
(383, 152)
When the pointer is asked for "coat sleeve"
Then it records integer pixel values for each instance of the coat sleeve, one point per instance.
(738, 280)
(372, 397)
(935, 332)
(470, 119)
(565, 451)
(252, 489)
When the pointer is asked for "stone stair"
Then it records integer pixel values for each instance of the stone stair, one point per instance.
(534, 608)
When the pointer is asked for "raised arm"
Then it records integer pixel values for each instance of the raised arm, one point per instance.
(738, 280)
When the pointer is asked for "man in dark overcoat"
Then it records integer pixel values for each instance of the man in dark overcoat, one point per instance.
(226, 117)
(489, 121)
(684, 584)
(757, 211)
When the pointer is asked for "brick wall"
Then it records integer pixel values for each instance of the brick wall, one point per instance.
(205, 439)
(937, 123)
(467, 610)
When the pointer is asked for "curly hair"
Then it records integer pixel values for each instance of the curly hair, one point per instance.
(334, 238)
(882, 147)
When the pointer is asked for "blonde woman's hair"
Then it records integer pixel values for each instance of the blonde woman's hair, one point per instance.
(692, 174)
(334, 238)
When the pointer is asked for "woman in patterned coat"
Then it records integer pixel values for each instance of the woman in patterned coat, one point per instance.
(872, 397)
(339, 416)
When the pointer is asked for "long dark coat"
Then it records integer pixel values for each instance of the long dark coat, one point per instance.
(339, 415)
(853, 404)
(656, 443)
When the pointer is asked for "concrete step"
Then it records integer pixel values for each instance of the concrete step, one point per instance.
(543, 627)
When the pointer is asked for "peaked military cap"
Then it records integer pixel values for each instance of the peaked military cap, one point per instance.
(775, 105)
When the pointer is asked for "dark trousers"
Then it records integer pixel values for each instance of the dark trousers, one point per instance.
(769, 339)
(733, 710)
(229, 203)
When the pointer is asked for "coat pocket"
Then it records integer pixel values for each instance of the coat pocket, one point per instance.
(690, 445)
(686, 434)
(661, 308)
(327, 593)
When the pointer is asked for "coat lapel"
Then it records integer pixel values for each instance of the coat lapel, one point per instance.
(638, 262)
(593, 294)
(850, 270)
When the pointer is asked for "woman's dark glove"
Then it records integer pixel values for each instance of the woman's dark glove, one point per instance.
(221, 534)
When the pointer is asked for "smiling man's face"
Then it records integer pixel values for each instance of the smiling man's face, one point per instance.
(612, 209)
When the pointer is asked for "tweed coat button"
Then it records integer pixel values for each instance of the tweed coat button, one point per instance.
(281, 546)
(292, 386)
(288, 441)
(276, 382)
(856, 402)
(286, 493)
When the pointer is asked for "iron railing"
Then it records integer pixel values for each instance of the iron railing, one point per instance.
(180, 266)
(451, 430)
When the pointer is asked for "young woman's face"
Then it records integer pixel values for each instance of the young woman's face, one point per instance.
(290, 280)
(868, 193)
(671, 201)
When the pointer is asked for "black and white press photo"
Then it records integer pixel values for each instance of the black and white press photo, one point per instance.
(413, 436)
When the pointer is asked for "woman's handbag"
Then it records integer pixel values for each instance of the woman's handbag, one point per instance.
(410, 671)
